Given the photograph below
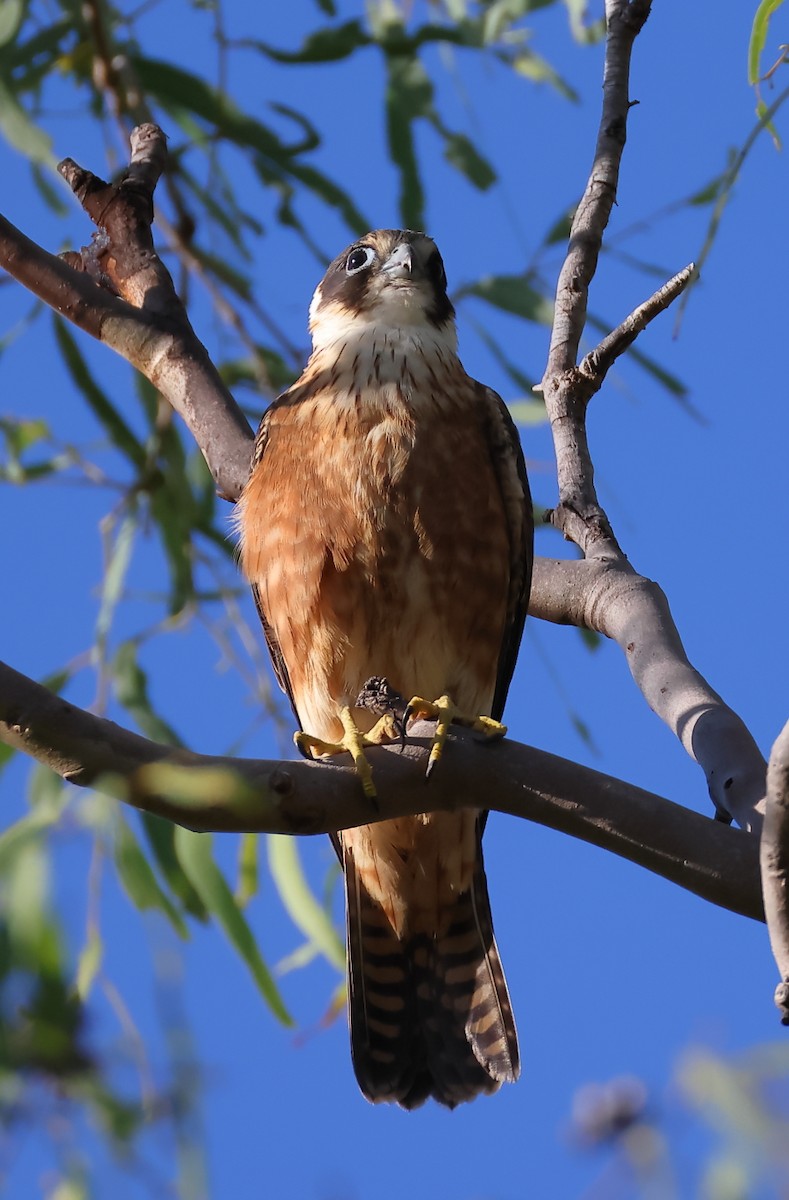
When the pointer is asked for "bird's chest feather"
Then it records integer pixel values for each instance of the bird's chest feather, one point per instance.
(384, 546)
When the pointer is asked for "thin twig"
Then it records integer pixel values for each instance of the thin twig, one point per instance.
(599, 361)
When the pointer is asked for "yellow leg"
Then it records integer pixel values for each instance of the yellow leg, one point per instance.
(444, 712)
(353, 743)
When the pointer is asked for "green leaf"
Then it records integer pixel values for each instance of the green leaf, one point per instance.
(172, 85)
(118, 431)
(11, 13)
(513, 294)
(194, 853)
(21, 433)
(330, 44)
(138, 878)
(161, 839)
(89, 963)
(590, 638)
(304, 910)
(527, 412)
(115, 571)
(248, 882)
(331, 194)
(758, 39)
(463, 155)
(534, 67)
(130, 684)
(585, 33)
(22, 133)
(409, 95)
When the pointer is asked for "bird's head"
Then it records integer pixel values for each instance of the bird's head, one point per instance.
(390, 278)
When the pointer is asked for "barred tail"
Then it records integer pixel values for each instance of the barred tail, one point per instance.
(430, 1016)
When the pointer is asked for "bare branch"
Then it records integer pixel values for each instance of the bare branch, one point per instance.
(119, 291)
(605, 592)
(775, 864)
(212, 793)
(566, 391)
(599, 361)
(614, 600)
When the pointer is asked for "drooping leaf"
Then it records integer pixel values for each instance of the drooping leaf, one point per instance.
(18, 128)
(248, 882)
(461, 152)
(409, 95)
(758, 39)
(138, 878)
(161, 838)
(194, 853)
(118, 431)
(513, 294)
(88, 963)
(11, 13)
(330, 44)
(115, 569)
(534, 67)
(304, 910)
(130, 684)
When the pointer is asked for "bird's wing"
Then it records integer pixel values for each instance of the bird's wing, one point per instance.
(510, 468)
(277, 660)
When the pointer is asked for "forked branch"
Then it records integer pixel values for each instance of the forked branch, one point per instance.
(604, 592)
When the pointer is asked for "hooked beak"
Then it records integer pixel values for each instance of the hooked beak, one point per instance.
(398, 264)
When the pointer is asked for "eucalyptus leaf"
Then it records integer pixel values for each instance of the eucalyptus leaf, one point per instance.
(195, 854)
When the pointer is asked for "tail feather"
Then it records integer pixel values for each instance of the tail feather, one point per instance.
(430, 1016)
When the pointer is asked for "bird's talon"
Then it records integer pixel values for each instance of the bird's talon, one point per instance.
(490, 730)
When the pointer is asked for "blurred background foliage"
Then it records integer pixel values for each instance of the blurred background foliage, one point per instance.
(236, 178)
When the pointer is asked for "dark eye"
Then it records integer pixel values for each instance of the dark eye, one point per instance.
(358, 259)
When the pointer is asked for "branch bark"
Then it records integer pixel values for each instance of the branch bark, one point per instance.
(604, 592)
(775, 864)
(204, 792)
(120, 292)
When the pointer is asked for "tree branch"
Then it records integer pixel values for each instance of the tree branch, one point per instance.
(611, 598)
(120, 292)
(213, 793)
(774, 858)
(604, 592)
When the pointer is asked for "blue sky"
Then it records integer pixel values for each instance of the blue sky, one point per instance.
(612, 971)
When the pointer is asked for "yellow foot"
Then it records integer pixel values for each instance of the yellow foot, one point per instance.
(353, 743)
(444, 712)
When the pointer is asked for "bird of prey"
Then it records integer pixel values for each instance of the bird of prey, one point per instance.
(386, 529)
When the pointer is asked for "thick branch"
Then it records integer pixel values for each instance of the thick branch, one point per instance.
(775, 864)
(614, 600)
(118, 291)
(709, 859)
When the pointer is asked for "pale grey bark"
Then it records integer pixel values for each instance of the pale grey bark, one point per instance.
(604, 592)
(775, 864)
(204, 792)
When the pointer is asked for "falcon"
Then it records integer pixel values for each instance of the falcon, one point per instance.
(386, 529)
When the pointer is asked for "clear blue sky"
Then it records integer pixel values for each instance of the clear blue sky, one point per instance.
(612, 971)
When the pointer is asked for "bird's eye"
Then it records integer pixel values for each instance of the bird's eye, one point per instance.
(358, 259)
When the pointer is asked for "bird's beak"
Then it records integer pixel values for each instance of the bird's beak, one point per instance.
(398, 264)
